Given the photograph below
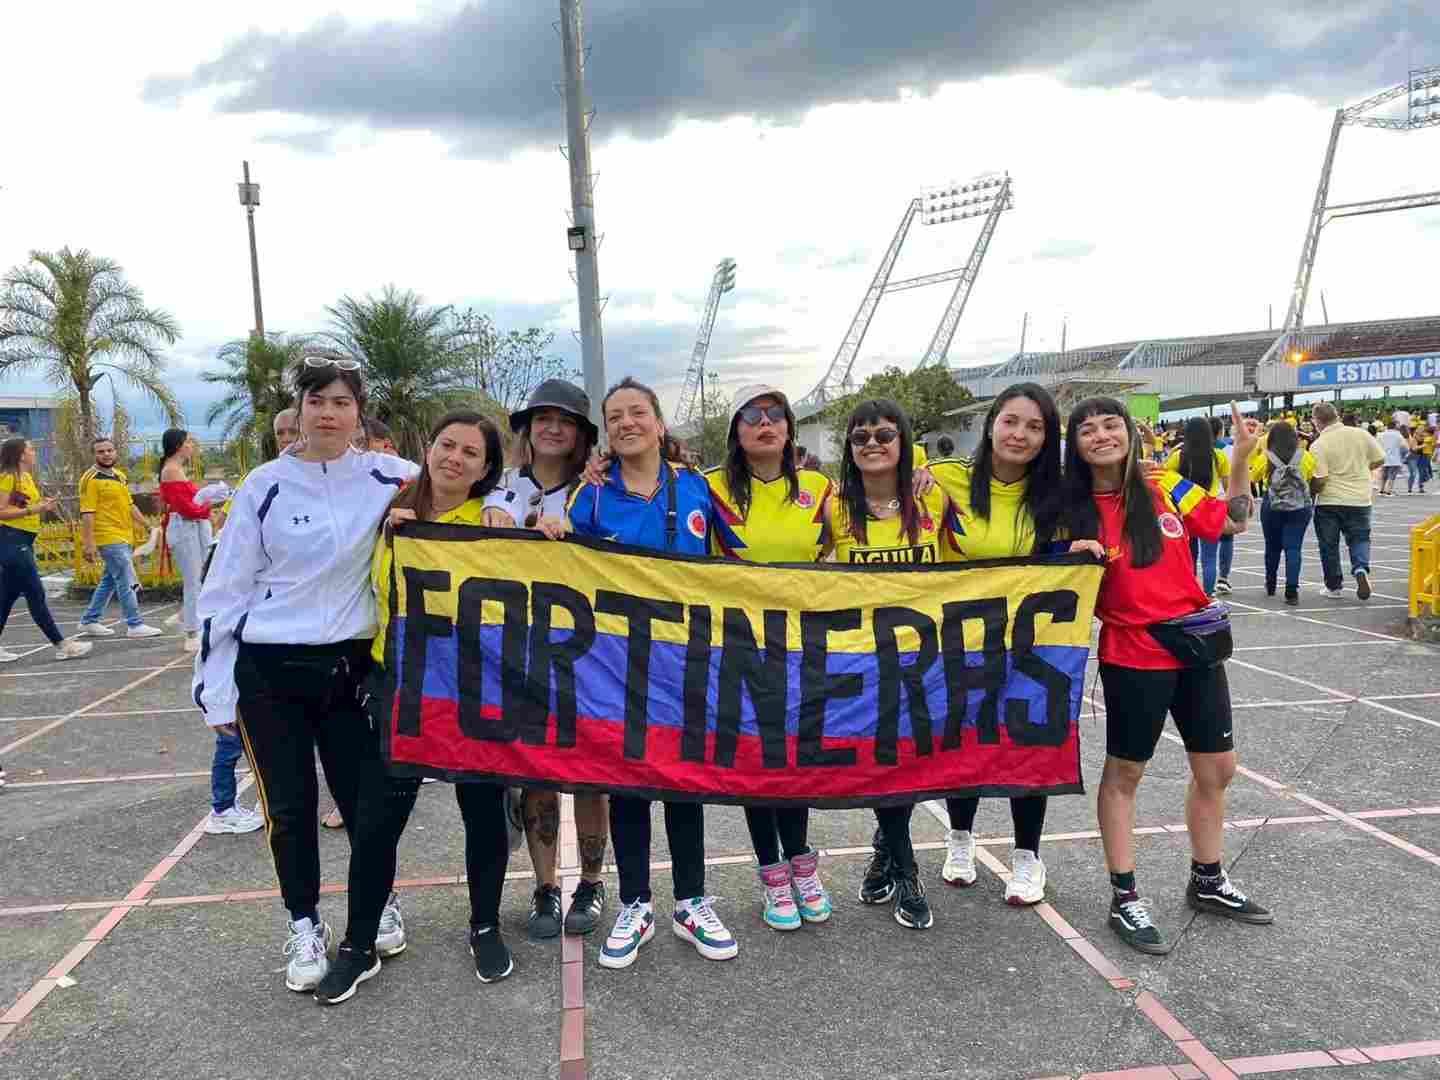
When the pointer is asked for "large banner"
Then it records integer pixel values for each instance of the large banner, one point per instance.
(584, 665)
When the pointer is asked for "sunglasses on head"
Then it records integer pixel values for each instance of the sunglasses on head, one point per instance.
(751, 414)
(329, 361)
(883, 437)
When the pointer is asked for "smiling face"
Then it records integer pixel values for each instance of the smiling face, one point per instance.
(873, 457)
(1018, 434)
(1103, 440)
(766, 436)
(105, 454)
(554, 433)
(456, 461)
(631, 423)
(329, 416)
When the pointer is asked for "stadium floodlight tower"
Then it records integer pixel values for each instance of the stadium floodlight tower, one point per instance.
(984, 196)
(1423, 110)
(722, 283)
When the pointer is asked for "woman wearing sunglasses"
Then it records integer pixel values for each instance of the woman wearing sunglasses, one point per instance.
(879, 521)
(772, 513)
(287, 616)
(650, 500)
(556, 436)
(1007, 505)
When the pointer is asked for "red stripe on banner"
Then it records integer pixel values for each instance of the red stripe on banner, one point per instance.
(596, 760)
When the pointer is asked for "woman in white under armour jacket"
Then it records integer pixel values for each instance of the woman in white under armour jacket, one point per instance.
(287, 616)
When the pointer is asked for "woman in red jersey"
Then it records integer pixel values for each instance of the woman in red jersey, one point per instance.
(1162, 646)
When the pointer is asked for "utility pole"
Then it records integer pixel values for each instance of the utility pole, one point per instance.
(1024, 325)
(582, 238)
(250, 199)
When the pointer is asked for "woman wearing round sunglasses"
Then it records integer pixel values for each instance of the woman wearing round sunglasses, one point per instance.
(556, 436)
(769, 511)
(879, 521)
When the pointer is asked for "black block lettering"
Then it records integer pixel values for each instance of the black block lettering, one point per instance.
(817, 685)
(697, 685)
(960, 678)
(742, 667)
(545, 654)
(1061, 604)
(420, 627)
(512, 594)
(894, 675)
(641, 612)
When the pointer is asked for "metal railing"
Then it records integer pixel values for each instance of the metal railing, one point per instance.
(60, 546)
(1425, 568)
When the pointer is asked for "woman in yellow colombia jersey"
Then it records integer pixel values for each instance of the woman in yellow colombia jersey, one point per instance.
(1005, 506)
(767, 510)
(878, 519)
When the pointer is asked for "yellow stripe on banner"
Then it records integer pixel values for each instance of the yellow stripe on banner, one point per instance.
(750, 587)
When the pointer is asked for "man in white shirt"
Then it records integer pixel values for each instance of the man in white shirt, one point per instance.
(1396, 446)
(1344, 458)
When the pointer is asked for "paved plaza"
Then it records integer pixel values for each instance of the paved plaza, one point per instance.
(134, 945)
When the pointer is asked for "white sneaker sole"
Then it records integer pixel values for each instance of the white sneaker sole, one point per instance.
(957, 877)
(494, 978)
(387, 951)
(709, 952)
(929, 922)
(783, 927)
(306, 987)
(94, 630)
(1027, 898)
(618, 963)
(364, 976)
(224, 828)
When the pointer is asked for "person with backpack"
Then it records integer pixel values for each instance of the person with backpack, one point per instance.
(1287, 473)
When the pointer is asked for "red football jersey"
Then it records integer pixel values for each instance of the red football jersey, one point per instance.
(1132, 599)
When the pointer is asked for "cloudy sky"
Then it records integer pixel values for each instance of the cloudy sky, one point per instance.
(1164, 155)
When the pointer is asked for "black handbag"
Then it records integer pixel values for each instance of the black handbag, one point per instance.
(1201, 639)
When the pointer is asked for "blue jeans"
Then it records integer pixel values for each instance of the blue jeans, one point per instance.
(19, 576)
(1215, 559)
(119, 581)
(1284, 533)
(228, 750)
(1353, 522)
(1416, 462)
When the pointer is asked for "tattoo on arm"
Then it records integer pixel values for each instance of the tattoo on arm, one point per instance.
(592, 854)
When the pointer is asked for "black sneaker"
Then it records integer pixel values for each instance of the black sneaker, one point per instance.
(1269, 588)
(1362, 584)
(1292, 597)
(1219, 896)
(347, 971)
(879, 883)
(492, 958)
(586, 907)
(911, 907)
(1130, 918)
(1222, 586)
(545, 912)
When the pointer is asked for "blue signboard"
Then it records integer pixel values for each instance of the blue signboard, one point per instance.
(1371, 371)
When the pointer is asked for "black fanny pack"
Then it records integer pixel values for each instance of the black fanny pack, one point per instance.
(1201, 639)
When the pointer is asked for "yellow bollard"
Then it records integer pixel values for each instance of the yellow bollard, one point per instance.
(1425, 567)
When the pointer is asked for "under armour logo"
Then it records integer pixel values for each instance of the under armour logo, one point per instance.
(303, 517)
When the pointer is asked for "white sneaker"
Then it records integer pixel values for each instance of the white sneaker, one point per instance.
(309, 952)
(8, 657)
(1334, 594)
(72, 648)
(390, 941)
(959, 868)
(1027, 879)
(634, 926)
(143, 631)
(695, 921)
(95, 629)
(235, 819)
(174, 620)
(191, 643)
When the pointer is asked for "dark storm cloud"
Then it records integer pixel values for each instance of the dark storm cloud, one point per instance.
(484, 75)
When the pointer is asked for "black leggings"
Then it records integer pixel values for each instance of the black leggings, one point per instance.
(19, 576)
(630, 837)
(893, 835)
(487, 848)
(1026, 811)
(789, 824)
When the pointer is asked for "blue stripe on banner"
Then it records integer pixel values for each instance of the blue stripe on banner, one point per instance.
(600, 683)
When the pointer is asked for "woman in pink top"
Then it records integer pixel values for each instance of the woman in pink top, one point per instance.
(187, 524)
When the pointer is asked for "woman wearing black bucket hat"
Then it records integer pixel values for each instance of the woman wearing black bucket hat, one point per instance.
(556, 436)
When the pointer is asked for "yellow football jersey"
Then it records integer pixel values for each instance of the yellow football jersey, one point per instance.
(774, 528)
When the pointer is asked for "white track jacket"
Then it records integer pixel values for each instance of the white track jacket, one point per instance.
(292, 566)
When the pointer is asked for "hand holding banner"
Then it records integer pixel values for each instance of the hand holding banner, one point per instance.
(585, 665)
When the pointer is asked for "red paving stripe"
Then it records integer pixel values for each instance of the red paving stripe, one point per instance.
(573, 1063)
(1395, 1052)
(1365, 827)
(116, 779)
(1349, 1056)
(1161, 1017)
(1208, 1064)
(73, 957)
(1143, 1072)
(1272, 1063)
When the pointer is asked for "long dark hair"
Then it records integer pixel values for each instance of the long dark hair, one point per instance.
(1142, 523)
(171, 444)
(11, 453)
(1043, 473)
(670, 448)
(852, 485)
(737, 467)
(1283, 441)
(420, 496)
(1197, 454)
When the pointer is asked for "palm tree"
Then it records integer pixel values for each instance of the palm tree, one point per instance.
(73, 316)
(410, 355)
(255, 386)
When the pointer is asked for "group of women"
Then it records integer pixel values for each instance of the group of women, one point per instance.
(295, 608)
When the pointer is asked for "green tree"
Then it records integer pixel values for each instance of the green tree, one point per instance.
(413, 357)
(74, 450)
(256, 387)
(74, 317)
(505, 366)
(926, 394)
(713, 439)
